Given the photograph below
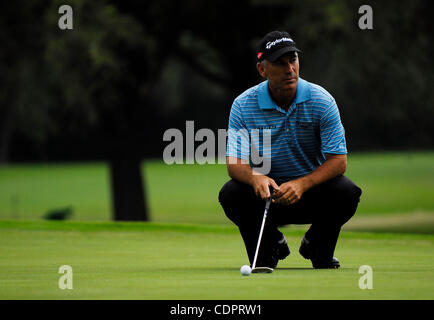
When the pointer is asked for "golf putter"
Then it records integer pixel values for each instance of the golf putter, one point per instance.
(262, 269)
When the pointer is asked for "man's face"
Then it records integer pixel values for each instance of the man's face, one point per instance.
(283, 73)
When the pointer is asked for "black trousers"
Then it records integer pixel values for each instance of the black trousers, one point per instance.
(327, 207)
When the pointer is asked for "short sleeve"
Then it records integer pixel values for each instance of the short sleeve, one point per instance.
(332, 131)
(238, 145)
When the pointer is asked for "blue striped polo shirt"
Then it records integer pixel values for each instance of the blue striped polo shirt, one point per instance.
(300, 137)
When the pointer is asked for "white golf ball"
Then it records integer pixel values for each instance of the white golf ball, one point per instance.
(245, 270)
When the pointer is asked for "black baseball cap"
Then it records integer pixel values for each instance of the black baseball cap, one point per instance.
(274, 45)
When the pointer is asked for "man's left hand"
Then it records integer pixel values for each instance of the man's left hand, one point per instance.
(290, 192)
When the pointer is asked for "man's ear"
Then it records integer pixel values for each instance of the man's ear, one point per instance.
(261, 69)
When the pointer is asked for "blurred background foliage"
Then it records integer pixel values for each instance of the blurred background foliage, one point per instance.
(131, 69)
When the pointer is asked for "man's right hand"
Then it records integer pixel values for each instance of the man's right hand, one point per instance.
(240, 170)
(261, 185)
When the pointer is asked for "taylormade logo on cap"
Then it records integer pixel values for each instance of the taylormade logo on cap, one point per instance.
(270, 44)
(274, 44)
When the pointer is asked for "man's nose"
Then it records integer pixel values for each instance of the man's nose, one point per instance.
(289, 68)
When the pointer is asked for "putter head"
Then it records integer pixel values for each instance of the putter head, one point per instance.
(262, 270)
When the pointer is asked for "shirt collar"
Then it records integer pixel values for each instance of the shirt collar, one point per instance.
(265, 101)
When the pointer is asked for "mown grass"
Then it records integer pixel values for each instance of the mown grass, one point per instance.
(166, 261)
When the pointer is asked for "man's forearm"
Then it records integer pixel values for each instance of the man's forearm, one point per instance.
(239, 170)
(332, 167)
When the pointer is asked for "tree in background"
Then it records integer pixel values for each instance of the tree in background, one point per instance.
(103, 74)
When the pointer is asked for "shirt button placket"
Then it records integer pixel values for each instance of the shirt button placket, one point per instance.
(288, 130)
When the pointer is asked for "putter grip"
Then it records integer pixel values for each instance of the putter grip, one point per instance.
(268, 202)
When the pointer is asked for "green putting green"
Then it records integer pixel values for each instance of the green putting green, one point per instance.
(174, 261)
